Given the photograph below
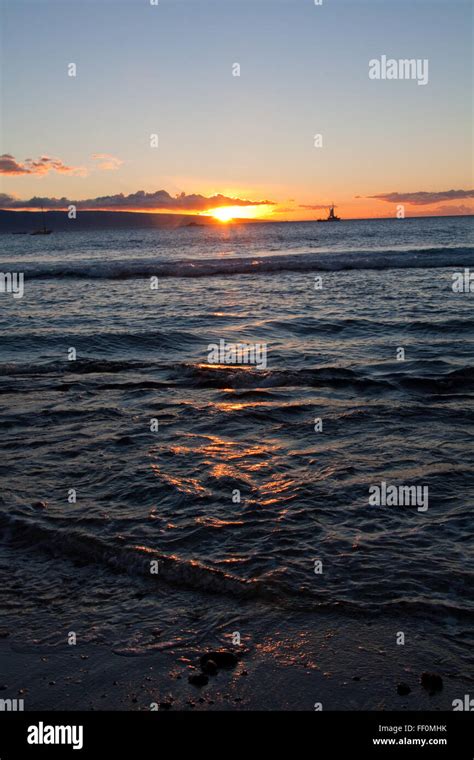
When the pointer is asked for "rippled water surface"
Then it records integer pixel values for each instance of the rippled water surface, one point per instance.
(170, 495)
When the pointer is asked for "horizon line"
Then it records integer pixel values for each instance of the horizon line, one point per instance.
(239, 220)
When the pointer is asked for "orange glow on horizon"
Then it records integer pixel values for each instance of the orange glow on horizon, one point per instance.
(227, 213)
(280, 212)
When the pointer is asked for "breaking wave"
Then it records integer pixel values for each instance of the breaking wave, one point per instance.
(133, 560)
(337, 261)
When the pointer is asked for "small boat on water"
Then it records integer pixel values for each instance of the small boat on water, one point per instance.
(44, 231)
(331, 216)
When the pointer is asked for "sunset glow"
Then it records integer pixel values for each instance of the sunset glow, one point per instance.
(227, 213)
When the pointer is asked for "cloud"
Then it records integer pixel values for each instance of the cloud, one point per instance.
(460, 210)
(107, 162)
(422, 198)
(40, 166)
(139, 201)
(315, 207)
(12, 202)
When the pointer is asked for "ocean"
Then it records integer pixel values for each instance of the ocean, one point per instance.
(145, 488)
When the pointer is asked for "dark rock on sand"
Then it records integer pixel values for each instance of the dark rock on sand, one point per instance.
(198, 679)
(4, 634)
(222, 659)
(40, 505)
(210, 667)
(431, 682)
(403, 689)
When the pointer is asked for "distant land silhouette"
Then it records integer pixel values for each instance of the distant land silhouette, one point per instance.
(58, 221)
(28, 221)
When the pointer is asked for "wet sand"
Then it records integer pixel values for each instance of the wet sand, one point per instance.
(344, 665)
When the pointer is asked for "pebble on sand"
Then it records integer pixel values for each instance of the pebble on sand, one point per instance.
(222, 658)
(403, 689)
(210, 667)
(198, 679)
(431, 682)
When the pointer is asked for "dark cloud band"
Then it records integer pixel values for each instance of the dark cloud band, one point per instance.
(139, 201)
(423, 198)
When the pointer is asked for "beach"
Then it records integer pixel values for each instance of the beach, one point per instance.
(342, 664)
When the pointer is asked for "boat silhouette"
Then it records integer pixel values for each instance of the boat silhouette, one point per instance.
(43, 231)
(331, 216)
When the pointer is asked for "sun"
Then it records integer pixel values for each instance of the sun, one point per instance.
(224, 214)
(228, 213)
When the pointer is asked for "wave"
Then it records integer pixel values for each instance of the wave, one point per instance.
(212, 376)
(135, 561)
(79, 367)
(220, 376)
(415, 258)
(100, 342)
(439, 378)
(309, 326)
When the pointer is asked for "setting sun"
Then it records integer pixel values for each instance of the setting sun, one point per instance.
(227, 213)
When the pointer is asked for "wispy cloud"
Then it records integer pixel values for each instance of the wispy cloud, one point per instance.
(455, 210)
(139, 201)
(107, 162)
(314, 207)
(40, 166)
(422, 198)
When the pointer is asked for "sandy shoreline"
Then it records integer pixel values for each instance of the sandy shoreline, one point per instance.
(344, 665)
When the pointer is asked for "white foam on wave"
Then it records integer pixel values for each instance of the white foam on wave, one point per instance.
(135, 268)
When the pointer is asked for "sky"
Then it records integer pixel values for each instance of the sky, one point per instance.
(225, 140)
